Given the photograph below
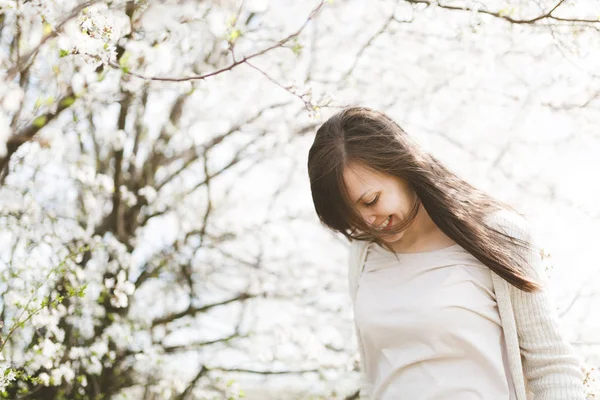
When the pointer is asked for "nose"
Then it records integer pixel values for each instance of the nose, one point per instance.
(370, 219)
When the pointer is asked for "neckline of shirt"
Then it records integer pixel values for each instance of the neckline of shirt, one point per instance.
(419, 253)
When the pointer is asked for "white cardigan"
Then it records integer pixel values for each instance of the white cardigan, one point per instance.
(541, 361)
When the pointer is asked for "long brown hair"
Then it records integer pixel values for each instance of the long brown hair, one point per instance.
(359, 135)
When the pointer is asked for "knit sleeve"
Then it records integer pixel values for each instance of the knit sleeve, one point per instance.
(550, 366)
(366, 388)
(354, 259)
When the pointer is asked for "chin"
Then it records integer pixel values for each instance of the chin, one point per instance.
(392, 238)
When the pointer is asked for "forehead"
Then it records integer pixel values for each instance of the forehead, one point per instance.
(359, 179)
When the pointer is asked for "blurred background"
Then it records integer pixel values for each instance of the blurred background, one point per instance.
(157, 234)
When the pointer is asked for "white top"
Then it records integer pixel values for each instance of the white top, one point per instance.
(430, 327)
(541, 361)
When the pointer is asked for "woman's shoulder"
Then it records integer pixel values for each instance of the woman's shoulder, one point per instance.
(355, 251)
(356, 245)
(354, 260)
(516, 226)
(510, 222)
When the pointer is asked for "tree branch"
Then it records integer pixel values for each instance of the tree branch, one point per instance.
(192, 311)
(26, 134)
(265, 372)
(501, 15)
(380, 32)
(192, 384)
(195, 346)
(114, 221)
(191, 155)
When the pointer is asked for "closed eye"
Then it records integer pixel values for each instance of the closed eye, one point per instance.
(372, 202)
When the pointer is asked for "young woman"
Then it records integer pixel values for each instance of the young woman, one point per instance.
(445, 280)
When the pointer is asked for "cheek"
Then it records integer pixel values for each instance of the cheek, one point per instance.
(397, 205)
(406, 203)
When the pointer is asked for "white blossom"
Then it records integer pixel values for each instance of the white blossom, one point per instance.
(119, 299)
(128, 197)
(7, 375)
(45, 378)
(56, 376)
(148, 192)
(99, 349)
(94, 366)
(256, 6)
(5, 133)
(78, 83)
(12, 98)
(104, 183)
(118, 139)
(109, 283)
(77, 353)
(49, 348)
(8, 4)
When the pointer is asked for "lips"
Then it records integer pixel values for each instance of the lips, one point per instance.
(386, 224)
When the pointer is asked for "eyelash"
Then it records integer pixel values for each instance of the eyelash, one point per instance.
(373, 202)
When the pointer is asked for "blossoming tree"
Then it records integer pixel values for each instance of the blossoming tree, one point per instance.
(157, 235)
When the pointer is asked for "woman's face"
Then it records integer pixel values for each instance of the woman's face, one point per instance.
(382, 200)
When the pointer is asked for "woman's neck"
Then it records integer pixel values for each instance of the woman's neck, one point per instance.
(422, 235)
